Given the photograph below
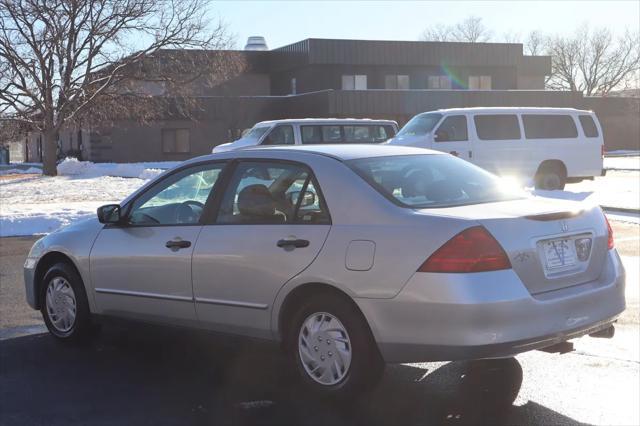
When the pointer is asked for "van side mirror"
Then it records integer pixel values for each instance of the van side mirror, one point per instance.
(441, 136)
(110, 213)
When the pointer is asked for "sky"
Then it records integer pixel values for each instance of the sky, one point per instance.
(285, 22)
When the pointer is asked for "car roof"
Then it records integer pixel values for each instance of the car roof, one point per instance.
(512, 110)
(341, 152)
(325, 121)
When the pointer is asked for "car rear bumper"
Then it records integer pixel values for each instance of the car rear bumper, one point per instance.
(443, 317)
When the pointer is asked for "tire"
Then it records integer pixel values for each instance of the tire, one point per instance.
(360, 371)
(62, 292)
(550, 180)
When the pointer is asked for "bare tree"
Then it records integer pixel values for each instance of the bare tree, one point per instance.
(437, 32)
(594, 62)
(471, 30)
(535, 43)
(66, 60)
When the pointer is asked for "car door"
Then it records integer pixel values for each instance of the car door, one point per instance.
(271, 224)
(452, 136)
(142, 268)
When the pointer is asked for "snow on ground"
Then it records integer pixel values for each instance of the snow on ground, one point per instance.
(42, 204)
(622, 163)
(29, 171)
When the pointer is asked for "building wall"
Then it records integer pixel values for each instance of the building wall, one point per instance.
(322, 77)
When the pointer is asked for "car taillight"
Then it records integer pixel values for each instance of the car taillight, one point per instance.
(610, 243)
(472, 250)
(602, 151)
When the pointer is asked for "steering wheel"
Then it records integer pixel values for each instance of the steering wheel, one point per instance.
(185, 212)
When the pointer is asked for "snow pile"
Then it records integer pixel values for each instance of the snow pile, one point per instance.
(29, 171)
(87, 169)
(42, 204)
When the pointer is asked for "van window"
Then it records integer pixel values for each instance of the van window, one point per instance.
(453, 128)
(331, 134)
(311, 134)
(420, 125)
(497, 127)
(366, 134)
(550, 126)
(589, 126)
(280, 135)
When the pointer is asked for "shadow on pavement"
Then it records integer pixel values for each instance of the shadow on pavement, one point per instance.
(148, 375)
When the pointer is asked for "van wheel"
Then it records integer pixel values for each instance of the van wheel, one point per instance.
(332, 348)
(65, 308)
(550, 177)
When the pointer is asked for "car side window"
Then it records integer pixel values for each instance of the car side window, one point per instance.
(272, 193)
(280, 135)
(452, 129)
(178, 199)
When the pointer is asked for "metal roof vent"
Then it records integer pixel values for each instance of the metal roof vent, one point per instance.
(256, 43)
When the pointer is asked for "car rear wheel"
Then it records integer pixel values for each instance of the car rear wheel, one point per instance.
(64, 303)
(333, 349)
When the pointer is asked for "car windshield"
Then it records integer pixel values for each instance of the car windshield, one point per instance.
(256, 132)
(431, 180)
(420, 125)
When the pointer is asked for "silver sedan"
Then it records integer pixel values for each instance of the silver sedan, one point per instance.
(351, 256)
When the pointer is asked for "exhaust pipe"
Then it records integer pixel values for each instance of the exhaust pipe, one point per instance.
(605, 333)
(559, 348)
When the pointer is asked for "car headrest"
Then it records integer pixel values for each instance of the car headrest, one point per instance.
(256, 200)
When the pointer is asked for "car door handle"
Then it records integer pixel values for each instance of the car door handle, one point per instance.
(177, 244)
(293, 243)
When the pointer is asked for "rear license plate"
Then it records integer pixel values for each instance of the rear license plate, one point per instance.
(560, 253)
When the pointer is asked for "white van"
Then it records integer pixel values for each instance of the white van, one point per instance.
(551, 145)
(314, 131)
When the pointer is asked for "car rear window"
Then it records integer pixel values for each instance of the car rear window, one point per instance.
(497, 127)
(589, 126)
(429, 181)
(549, 126)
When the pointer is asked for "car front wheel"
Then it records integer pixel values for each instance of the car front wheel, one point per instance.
(333, 349)
(64, 303)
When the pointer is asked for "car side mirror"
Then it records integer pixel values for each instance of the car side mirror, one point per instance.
(110, 213)
(308, 199)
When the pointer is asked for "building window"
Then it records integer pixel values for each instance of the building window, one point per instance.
(354, 82)
(439, 82)
(175, 141)
(400, 82)
(479, 82)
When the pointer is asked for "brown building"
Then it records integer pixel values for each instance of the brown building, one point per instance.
(346, 78)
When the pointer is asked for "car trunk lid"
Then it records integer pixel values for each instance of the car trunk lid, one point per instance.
(551, 244)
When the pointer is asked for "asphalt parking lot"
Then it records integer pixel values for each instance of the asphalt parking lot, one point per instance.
(145, 375)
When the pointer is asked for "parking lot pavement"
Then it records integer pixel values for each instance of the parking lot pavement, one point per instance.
(145, 375)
